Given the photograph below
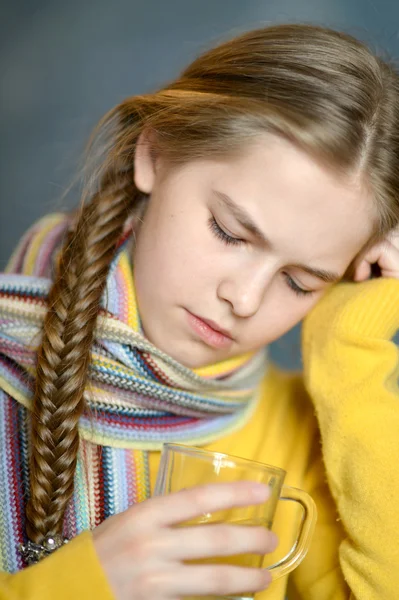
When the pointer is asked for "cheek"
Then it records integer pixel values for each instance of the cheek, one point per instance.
(279, 315)
(169, 261)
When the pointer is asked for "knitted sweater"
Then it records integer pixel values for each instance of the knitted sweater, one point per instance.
(348, 400)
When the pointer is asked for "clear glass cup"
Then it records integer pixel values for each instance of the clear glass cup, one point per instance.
(183, 467)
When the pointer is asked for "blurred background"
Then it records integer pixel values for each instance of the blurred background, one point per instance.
(64, 64)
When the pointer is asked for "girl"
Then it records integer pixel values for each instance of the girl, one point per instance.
(216, 214)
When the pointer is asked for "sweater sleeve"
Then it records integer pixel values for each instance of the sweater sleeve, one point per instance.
(71, 572)
(351, 368)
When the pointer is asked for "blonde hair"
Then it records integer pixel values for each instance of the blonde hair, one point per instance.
(320, 89)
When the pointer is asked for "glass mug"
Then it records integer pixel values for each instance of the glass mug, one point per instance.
(184, 467)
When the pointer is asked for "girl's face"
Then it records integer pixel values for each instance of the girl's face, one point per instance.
(233, 253)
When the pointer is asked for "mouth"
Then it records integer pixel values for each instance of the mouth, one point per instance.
(209, 331)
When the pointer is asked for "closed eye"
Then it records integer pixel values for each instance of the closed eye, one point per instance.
(222, 235)
(298, 290)
(229, 240)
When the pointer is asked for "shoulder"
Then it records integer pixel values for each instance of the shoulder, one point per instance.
(34, 253)
(285, 392)
(285, 423)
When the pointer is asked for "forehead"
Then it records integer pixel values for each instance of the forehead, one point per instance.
(299, 203)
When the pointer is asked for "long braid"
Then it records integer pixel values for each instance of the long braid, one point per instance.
(64, 355)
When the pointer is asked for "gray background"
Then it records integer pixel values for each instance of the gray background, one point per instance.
(64, 64)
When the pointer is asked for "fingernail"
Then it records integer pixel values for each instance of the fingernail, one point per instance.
(273, 541)
(267, 579)
(261, 491)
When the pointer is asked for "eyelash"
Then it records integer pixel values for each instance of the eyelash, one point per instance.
(222, 235)
(295, 287)
(232, 241)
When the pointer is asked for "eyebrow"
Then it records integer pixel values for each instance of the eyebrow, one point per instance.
(245, 220)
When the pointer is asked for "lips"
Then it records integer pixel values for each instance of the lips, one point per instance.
(216, 327)
(209, 331)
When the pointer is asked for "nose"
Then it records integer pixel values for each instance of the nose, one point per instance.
(245, 289)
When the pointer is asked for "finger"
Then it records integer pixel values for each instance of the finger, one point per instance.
(194, 502)
(220, 580)
(388, 260)
(393, 237)
(362, 271)
(202, 541)
(373, 255)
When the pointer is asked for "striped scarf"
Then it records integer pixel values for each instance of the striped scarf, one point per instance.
(137, 397)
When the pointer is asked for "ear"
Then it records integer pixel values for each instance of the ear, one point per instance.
(144, 163)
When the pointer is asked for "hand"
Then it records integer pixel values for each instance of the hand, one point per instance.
(143, 554)
(385, 255)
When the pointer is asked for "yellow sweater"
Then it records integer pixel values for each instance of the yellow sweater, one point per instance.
(339, 440)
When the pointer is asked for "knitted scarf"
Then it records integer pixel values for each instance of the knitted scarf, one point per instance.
(137, 397)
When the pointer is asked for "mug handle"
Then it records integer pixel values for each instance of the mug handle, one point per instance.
(304, 536)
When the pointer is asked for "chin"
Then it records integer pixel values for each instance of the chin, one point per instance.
(195, 355)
